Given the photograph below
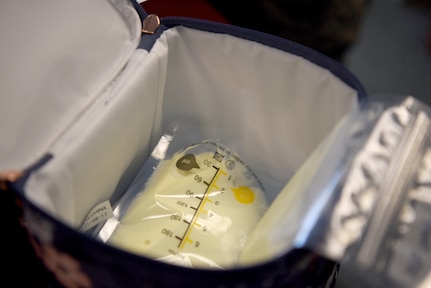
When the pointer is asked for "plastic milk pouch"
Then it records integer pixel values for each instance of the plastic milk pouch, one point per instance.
(194, 206)
(362, 198)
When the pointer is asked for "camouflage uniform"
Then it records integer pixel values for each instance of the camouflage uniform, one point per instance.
(329, 26)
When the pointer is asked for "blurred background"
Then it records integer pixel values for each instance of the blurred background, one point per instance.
(392, 54)
(385, 43)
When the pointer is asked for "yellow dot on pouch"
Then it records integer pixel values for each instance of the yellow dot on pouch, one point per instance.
(244, 194)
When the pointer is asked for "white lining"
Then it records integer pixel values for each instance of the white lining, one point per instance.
(272, 107)
(57, 57)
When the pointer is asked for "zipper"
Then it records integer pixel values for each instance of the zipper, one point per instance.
(152, 24)
(274, 41)
(253, 35)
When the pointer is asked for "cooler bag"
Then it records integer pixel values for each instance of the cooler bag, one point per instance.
(88, 90)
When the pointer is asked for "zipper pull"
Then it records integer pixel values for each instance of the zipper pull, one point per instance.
(150, 24)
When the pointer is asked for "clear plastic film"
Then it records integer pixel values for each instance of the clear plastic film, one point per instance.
(192, 207)
(389, 185)
(362, 198)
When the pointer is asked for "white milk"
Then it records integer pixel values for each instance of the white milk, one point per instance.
(196, 210)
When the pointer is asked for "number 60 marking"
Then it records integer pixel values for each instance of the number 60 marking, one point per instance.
(198, 178)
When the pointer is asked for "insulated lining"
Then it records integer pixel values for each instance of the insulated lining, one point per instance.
(271, 107)
(54, 64)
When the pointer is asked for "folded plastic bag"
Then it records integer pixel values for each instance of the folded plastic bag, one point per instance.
(363, 197)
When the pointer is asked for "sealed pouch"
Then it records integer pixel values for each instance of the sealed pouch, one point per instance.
(193, 207)
(88, 94)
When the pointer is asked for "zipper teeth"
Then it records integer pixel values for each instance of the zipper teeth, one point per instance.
(399, 170)
(274, 41)
(317, 57)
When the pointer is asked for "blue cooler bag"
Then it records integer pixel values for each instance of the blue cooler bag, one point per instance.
(89, 88)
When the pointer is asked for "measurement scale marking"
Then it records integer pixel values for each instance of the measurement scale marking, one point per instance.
(200, 207)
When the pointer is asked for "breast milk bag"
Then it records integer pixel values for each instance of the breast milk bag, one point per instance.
(361, 198)
(194, 207)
